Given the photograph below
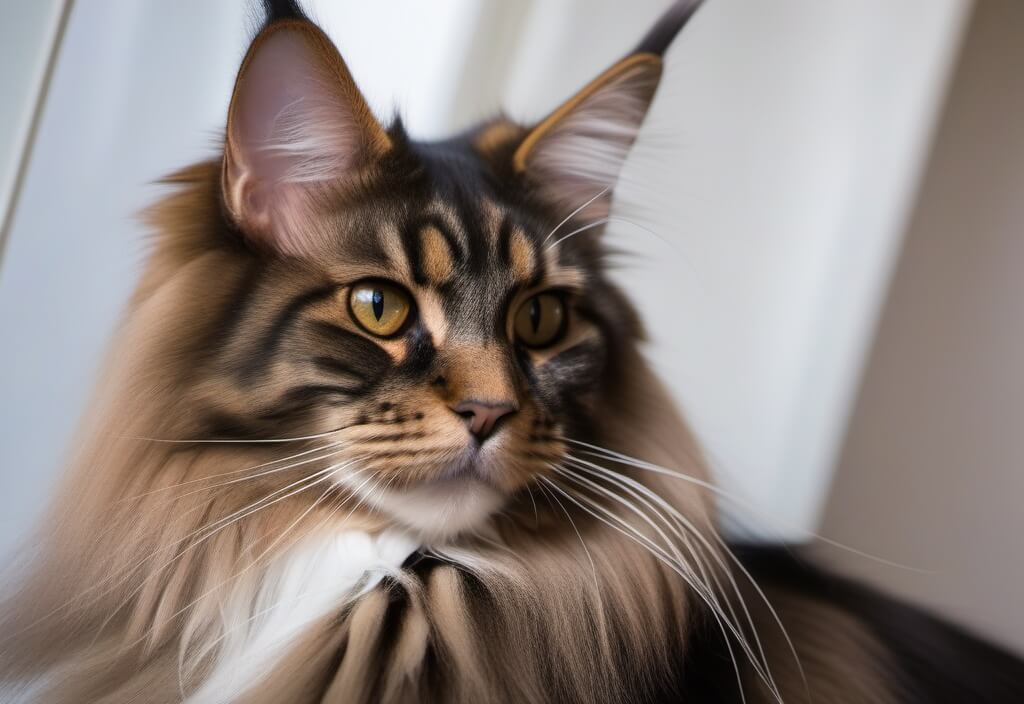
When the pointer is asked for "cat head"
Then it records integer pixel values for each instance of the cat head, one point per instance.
(439, 312)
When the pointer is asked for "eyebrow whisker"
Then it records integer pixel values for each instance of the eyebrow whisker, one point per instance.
(573, 214)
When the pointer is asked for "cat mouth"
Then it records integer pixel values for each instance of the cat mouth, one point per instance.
(475, 461)
(467, 465)
(461, 493)
(436, 509)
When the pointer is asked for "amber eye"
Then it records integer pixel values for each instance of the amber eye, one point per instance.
(379, 307)
(541, 320)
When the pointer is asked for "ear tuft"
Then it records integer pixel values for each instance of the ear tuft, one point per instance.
(660, 36)
(575, 155)
(578, 151)
(277, 10)
(297, 124)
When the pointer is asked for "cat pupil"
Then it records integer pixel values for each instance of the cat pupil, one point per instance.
(378, 303)
(535, 314)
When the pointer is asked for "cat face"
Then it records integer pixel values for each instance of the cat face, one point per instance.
(436, 327)
(438, 311)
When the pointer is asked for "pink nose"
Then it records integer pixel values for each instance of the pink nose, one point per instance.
(482, 418)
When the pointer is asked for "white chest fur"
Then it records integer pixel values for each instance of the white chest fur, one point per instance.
(304, 584)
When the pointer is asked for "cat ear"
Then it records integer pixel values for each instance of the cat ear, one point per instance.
(573, 157)
(297, 124)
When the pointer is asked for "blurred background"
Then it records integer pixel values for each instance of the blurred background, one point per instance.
(824, 219)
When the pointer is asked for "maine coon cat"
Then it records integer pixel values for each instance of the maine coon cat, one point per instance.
(377, 429)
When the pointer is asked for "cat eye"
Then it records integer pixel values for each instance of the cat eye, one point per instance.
(379, 307)
(540, 320)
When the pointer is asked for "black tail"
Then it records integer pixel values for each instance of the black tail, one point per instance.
(660, 36)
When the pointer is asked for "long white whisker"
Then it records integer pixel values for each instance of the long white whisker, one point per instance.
(639, 491)
(322, 448)
(309, 481)
(677, 555)
(640, 464)
(125, 574)
(620, 458)
(222, 583)
(666, 559)
(266, 551)
(729, 554)
(593, 567)
(573, 214)
(209, 647)
(578, 230)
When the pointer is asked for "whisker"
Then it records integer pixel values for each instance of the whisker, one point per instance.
(655, 550)
(729, 554)
(264, 553)
(639, 491)
(209, 647)
(240, 471)
(127, 572)
(309, 482)
(113, 526)
(578, 230)
(615, 218)
(364, 499)
(573, 214)
(583, 544)
(620, 458)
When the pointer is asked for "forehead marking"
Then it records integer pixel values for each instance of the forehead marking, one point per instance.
(435, 256)
(521, 257)
(411, 239)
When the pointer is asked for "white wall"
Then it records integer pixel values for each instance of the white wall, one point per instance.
(932, 471)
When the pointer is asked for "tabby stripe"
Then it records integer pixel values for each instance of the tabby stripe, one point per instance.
(313, 392)
(240, 299)
(362, 357)
(260, 359)
(475, 231)
(336, 366)
(505, 241)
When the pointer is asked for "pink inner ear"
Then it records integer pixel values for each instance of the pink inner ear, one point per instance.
(292, 124)
(291, 130)
(583, 154)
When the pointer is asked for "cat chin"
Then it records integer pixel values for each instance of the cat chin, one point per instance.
(439, 510)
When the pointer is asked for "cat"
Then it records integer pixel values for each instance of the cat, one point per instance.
(377, 428)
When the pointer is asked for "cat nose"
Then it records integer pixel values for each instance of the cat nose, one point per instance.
(482, 418)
